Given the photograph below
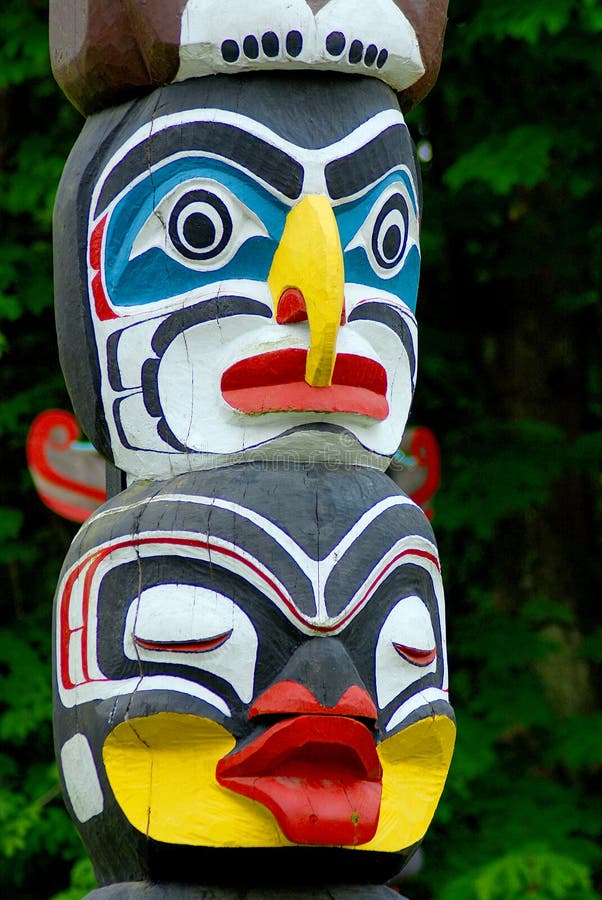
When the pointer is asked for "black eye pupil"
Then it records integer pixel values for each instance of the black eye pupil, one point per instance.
(199, 231)
(200, 225)
(392, 242)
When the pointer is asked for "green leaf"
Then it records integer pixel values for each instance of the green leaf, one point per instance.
(536, 873)
(504, 161)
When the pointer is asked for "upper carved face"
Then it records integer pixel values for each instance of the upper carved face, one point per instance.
(243, 671)
(250, 272)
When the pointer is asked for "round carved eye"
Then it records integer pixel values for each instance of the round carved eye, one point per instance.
(390, 233)
(200, 225)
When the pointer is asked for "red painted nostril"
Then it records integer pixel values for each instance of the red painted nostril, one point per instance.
(291, 697)
(291, 307)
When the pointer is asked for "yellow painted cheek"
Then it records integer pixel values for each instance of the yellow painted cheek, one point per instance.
(161, 769)
(415, 765)
(310, 258)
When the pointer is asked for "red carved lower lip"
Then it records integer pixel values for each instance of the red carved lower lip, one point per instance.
(275, 382)
(319, 775)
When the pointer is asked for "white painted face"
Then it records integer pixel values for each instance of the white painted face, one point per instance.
(187, 627)
(196, 367)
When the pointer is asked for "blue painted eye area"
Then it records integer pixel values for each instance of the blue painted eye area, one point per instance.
(389, 228)
(188, 223)
(380, 234)
(200, 224)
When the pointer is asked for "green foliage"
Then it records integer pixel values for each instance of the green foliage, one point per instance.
(82, 881)
(511, 384)
(515, 158)
(528, 872)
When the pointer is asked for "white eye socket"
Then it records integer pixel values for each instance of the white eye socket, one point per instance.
(200, 224)
(406, 648)
(388, 232)
(184, 624)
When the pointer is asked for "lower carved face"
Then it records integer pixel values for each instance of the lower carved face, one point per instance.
(244, 665)
(252, 282)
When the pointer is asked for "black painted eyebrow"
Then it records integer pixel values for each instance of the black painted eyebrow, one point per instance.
(350, 174)
(265, 161)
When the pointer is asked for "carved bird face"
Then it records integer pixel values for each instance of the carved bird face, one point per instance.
(255, 658)
(251, 267)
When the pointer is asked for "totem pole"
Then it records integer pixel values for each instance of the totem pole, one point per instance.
(250, 668)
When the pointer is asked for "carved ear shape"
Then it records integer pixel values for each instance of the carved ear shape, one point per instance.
(106, 51)
(429, 20)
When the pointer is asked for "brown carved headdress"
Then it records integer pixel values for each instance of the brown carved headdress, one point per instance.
(106, 51)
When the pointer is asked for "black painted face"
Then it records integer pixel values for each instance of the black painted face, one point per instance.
(234, 644)
(248, 262)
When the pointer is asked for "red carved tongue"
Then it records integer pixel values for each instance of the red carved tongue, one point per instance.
(319, 775)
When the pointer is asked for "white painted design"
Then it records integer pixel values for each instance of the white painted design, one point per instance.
(207, 23)
(423, 699)
(102, 690)
(196, 613)
(179, 613)
(81, 778)
(313, 161)
(408, 623)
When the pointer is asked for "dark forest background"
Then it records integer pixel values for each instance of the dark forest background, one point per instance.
(510, 381)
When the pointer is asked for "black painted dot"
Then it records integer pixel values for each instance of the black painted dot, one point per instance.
(250, 47)
(382, 58)
(199, 231)
(392, 242)
(356, 51)
(371, 53)
(230, 51)
(335, 43)
(270, 44)
(294, 43)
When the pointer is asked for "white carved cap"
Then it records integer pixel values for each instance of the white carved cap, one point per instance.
(362, 37)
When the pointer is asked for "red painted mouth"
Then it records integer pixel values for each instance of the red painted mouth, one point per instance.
(275, 382)
(319, 775)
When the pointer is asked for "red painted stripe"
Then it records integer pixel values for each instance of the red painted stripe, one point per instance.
(104, 311)
(199, 646)
(417, 657)
(40, 438)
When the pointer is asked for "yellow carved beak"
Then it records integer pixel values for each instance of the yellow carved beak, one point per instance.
(309, 259)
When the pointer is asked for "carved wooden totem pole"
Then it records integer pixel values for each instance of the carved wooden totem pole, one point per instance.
(250, 668)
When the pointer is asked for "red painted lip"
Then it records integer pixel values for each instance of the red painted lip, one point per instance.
(319, 775)
(275, 382)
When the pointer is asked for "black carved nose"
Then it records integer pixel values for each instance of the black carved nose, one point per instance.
(319, 678)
